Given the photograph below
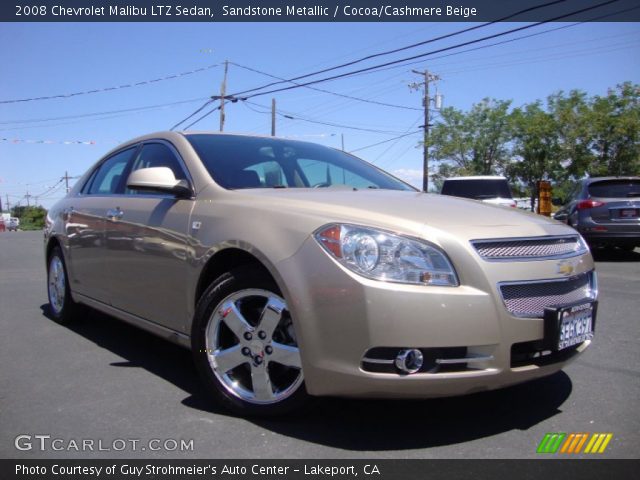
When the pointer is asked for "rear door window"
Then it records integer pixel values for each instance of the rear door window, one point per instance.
(615, 189)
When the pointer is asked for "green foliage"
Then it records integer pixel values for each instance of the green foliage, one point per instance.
(615, 120)
(569, 137)
(475, 142)
(536, 145)
(31, 218)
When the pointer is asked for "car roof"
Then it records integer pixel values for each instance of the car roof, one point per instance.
(477, 177)
(589, 181)
(172, 136)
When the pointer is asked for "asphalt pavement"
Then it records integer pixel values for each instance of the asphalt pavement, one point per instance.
(137, 396)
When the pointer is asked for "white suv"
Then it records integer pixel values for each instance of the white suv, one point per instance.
(490, 189)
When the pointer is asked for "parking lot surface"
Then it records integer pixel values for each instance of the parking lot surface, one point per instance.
(104, 381)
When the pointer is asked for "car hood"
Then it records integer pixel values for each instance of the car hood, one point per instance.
(404, 211)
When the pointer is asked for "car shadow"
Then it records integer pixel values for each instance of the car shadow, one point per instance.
(350, 424)
(615, 255)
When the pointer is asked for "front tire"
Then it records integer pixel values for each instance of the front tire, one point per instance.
(62, 308)
(245, 347)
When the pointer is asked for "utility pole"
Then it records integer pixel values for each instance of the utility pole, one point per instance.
(273, 117)
(223, 91)
(342, 136)
(66, 180)
(428, 77)
(27, 196)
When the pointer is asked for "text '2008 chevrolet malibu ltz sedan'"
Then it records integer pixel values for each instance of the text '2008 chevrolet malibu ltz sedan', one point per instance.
(294, 270)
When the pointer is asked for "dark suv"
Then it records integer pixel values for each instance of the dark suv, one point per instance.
(605, 210)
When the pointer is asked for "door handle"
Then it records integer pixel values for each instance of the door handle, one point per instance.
(115, 213)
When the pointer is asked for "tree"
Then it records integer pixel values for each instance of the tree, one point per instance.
(31, 218)
(536, 145)
(615, 120)
(473, 143)
(571, 114)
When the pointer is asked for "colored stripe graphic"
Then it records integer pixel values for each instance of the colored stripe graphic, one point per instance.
(551, 442)
(598, 443)
(574, 443)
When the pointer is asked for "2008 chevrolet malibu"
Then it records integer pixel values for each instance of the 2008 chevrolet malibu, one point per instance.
(294, 270)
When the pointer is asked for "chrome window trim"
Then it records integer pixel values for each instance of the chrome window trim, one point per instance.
(593, 285)
(577, 253)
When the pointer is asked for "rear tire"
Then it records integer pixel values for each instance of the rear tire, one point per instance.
(62, 308)
(245, 348)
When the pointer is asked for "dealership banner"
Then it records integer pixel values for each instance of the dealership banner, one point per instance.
(319, 10)
(317, 469)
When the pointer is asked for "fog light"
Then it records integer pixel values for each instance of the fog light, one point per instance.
(409, 360)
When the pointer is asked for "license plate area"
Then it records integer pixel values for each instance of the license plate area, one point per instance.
(571, 325)
(624, 213)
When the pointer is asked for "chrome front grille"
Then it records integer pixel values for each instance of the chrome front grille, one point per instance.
(529, 299)
(534, 248)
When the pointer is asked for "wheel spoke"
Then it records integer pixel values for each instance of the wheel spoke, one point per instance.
(261, 383)
(236, 322)
(285, 355)
(271, 315)
(229, 358)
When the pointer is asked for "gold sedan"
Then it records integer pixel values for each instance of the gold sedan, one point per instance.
(294, 270)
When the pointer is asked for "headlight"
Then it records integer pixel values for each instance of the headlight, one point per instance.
(384, 256)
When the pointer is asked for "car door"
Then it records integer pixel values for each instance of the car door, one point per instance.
(84, 223)
(146, 244)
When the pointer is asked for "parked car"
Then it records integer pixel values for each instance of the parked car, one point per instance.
(490, 189)
(605, 210)
(14, 224)
(294, 270)
(3, 227)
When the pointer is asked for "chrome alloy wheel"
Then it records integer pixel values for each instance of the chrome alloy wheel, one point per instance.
(56, 284)
(252, 349)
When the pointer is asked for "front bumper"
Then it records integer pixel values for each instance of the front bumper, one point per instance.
(340, 316)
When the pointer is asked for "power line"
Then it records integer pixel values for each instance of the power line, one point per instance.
(106, 89)
(397, 140)
(502, 42)
(194, 113)
(202, 117)
(385, 141)
(546, 58)
(407, 47)
(350, 97)
(395, 62)
(109, 112)
(295, 116)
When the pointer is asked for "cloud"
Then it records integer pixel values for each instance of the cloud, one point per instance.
(411, 176)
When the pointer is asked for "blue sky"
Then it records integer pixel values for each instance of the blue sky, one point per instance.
(59, 58)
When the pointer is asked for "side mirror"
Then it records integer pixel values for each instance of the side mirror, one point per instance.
(158, 179)
(557, 201)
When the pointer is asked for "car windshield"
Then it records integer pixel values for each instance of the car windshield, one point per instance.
(615, 188)
(237, 162)
(477, 189)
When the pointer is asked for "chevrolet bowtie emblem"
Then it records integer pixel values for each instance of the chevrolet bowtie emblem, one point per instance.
(565, 268)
